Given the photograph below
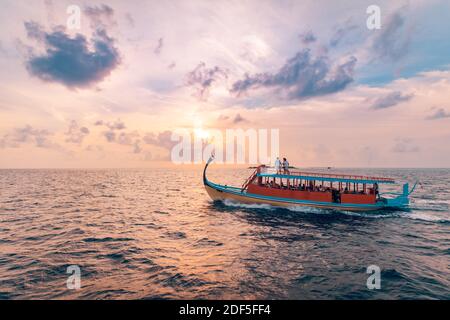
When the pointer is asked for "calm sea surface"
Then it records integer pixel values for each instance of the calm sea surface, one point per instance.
(156, 234)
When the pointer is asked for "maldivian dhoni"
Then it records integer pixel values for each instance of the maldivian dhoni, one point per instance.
(320, 190)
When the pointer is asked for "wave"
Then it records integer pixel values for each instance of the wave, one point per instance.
(106, 239)
(426, 217)
(429, 207)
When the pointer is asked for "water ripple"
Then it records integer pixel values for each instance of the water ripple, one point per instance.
(155, 234)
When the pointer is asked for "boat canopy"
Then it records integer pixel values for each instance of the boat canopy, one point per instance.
(317, 176)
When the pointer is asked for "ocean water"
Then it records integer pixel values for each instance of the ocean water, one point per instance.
(155, 234)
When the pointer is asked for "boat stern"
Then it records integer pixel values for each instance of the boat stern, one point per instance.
(401, 201)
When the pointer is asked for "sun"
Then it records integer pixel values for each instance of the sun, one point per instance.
(201, 134)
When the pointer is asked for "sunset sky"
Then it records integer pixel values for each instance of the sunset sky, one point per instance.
(111, 93)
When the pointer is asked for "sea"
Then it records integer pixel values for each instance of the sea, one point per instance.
(155, 234)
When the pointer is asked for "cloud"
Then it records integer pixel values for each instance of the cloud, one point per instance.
(162, 139)
(110, 136)
(301, 77)
(74, 62)
(238, 118)
(100, 16)
(307, 37)
(137, 147)
(440, 113)
(405, 145)
(227, 120)
(202, 78)
(115, 134)
(390, 100)
(75, 133)
(116, 125)
(127, 138)
(28, 135)
(393, 40)
(130, 20)
(342, 32)
(159, 46)
(34, 30)
(223, 117)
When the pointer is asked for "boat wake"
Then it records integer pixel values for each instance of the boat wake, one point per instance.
(430, 217)
(430, 205)
(382, 214)
(300, 209)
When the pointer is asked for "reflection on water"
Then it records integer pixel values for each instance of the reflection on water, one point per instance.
(156, 234)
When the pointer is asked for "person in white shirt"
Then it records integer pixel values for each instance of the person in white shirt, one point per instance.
(285, 166)
(278, 165)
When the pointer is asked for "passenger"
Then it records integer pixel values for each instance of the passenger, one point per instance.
(278, 166)
(346, 190)
(285, 166)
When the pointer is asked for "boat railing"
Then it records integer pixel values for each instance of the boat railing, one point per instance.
(272, 170)
(250, 179)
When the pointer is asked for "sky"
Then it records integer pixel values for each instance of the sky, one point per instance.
(111, 90)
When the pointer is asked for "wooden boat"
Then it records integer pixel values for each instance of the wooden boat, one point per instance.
(320, 190)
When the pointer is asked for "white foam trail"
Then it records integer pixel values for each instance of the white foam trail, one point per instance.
(304, 209)
(315, 210)
(231, 203)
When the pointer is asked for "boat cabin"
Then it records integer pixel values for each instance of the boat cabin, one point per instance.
(318, 187)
